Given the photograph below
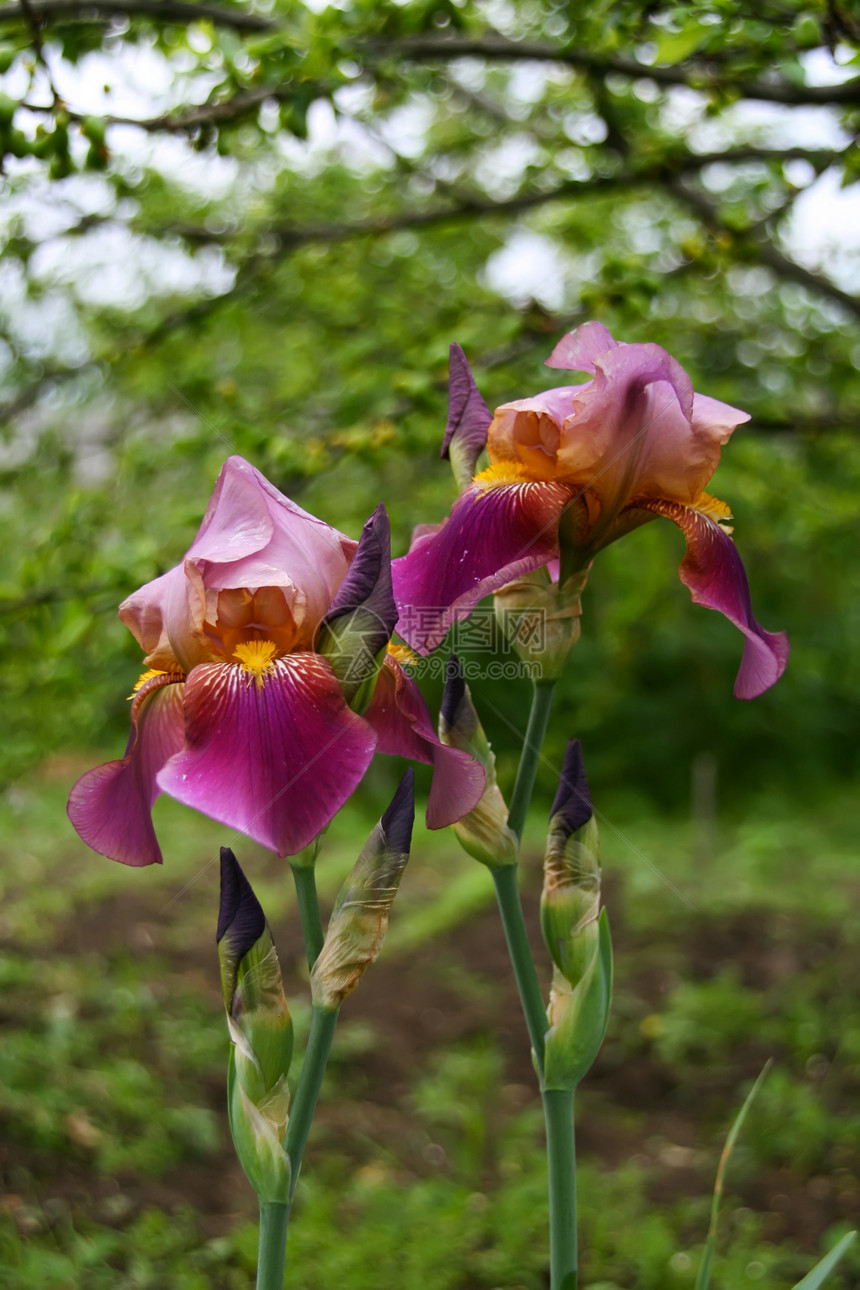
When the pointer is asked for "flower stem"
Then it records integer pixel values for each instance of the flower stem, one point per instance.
(304, 876)
(561, 1165)
(308, 1089)
(274, 1218)
(505, 877)
(557, 1105)
(542, 697)
(531, 996)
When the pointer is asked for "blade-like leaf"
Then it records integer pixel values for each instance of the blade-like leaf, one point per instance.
(819, 1273)
(704, 1278)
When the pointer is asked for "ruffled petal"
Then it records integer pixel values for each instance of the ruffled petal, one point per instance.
(110, 806)
(577, 351)
(275, 760)
(715, 575)
(251, 537)
(495, 533)
(399, 715)
(528, 431)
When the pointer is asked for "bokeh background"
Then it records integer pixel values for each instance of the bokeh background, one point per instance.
(256, 229)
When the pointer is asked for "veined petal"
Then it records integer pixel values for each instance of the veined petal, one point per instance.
(399, 715)
(496, 532)
(110, 806)
(715, 575)
(274, 757)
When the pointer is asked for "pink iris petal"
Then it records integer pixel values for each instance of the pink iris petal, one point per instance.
(399, 715)
(276, 760)
(578, 350)
(251, 536)
(110, 806)
(631, 435)
(715, 575)
(494, 534)
(638, 429)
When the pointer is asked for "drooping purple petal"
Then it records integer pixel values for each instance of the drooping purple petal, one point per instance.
(468, 418)
(493, 535)
(110, 806)
(275, 760)
(715, 575)
(572, 801)
(399, 715)
(367, 586)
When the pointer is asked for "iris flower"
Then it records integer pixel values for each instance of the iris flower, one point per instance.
(570, 471)
(268, 683)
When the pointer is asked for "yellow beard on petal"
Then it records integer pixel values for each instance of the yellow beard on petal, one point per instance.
(144, 677)
(503, 472)
(402, 654)
(257, 658)
(715, 510)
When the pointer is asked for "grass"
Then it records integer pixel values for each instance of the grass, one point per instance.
(425, 1164)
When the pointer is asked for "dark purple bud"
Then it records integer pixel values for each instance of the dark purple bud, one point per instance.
(468, 415)
(572, 801)
(398, 820)
(454, 691)
(240, 916)
(367, 584)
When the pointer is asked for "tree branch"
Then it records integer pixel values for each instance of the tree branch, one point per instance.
(764, 250)
(696, 76)
(168, 10)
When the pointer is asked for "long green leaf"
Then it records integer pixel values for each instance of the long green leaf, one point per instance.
(704, 1278)
(817, 1276)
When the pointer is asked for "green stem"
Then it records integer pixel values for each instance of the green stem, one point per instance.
(505, 878)
(304, 876)
(538, 718)
(561, 1165)
(525, 974)
(308, 1089)
(274, 1218)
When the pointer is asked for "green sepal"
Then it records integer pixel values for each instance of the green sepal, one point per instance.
(359, 920)
(571, 898)
(258, 1144)
(343, 644)
(579, 1015)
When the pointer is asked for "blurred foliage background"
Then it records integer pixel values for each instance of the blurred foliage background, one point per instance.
(256, 228)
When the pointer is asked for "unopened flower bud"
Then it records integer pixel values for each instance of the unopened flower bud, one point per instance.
(359, 920)
(575, 931)
(484, 832)
(261, 1033)
(570, 900)
(540, 618)
(469, 420)
(358, 626)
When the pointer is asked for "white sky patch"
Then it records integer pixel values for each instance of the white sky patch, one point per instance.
(527, 268)
(122, 269)
(823, 231)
